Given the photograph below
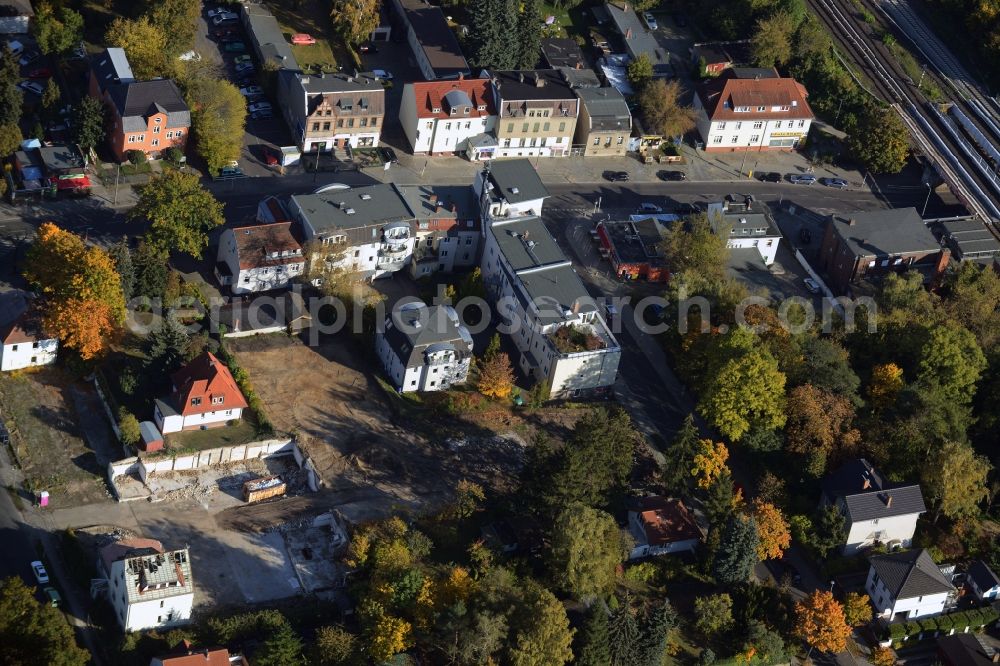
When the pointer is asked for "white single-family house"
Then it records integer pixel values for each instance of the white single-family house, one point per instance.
(259, 257)
(874, 510)
(204, 395)
(149, 588)
(746, 225)
(23, 342)
(907, 585)
(424, 348)
(661, 525)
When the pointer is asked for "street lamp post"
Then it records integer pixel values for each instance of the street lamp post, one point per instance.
(926, 201)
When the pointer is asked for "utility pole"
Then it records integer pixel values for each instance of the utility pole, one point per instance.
(597, 204)
(118, 171)
(926, 201)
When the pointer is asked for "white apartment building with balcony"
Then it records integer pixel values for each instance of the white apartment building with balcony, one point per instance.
(424, 348)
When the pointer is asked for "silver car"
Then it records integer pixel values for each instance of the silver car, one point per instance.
(839, 183)
(802, 178)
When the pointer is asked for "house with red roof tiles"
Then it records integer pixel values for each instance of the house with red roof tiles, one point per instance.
(23, 342)
(187, 655)
(204, 395)
(752, 109)
(661, 525)
(440, 117)
(259, 257)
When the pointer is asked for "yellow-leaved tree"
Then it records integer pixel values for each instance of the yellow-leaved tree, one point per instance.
(821, 622)
(773, 533)
(885, 385)
(709, 462)
(496, 376)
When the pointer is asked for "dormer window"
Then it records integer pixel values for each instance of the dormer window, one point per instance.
(436, 109)
(481, 107)
(195, 401)
(454, 111)
(218, 399)
(157, 120)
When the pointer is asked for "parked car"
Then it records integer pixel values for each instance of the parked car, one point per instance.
(671, 175)
(224, 17)
(215, 11)
(250, 91)
(4, 434)
(686, 209)
(802, 178)
(271, 157)
(31, 86)
(41, 575)
(259, 106)
(388, 155)
(262, 114)
(230, 171)
(839, 183)
(28, 57)
(650, 21)
(241, 59)
(811, 285)
(55, 600)
(646, 207)
(303, 38)
(245, 69)
(234, 47)
(616, 176)
(40, 73)
(769, 177)
(382, 74)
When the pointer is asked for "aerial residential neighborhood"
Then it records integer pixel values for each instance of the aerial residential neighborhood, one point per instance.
(492, 332)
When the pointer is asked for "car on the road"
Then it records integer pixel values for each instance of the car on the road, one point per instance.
(646, 207)
(250, 91)
(215, 11)
(259, 106)
(650, 21)
(382, 74)
(302, 38)
(234, 47)
(31, 86)
(262, 114)
(811, 285)
(616, 176)
(40, 73)
(245, 68)
(271, 157)
(230, 171)
(388, 155)
(671, 175)
(839, 183)
(224, 17)
(41, 575)
(55, 599)
(769, 177)
(802, 178)
(241, 59)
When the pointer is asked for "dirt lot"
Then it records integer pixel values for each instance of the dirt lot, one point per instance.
(371, 462)
(60, 435)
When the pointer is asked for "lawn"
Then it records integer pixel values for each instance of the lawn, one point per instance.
(242, 432)
(313, 18)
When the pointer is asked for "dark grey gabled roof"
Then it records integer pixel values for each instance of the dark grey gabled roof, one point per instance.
(357, 208)
(138, 100)
(420, 329)
(881, 233)
(983, 576)
(910, 574)
(867, 495)
(606, 107)
(516, 181)
(110, 67)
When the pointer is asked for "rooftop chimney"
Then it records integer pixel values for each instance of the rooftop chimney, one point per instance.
(888, 500)
(433, 198)
(520, 77)
(461, 76)
(851, 222)
(628, 34)
(576, 306)
(454, 207)
(539, 81)
(867, 483)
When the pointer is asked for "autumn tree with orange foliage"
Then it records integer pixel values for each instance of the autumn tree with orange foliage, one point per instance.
(885, 385)
(857, 609)
(709, 462)
(496, 377)
(819, 426)
(84, 303)
(883, 656)
(772, 530)
(820, 622)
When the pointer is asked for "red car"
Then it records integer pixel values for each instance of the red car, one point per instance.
(40, 73)
(270, 157)
(302, 38)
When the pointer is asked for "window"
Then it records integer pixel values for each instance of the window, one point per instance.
(720, 126)
(315, 127)
(34, 359)
(364, 122)
(717, 139)
(326, 126)
(755, 138)
(131, 139)
(777, 124)
(524, 127)
(433, 383)
(597, 140)
(14, 348)
(545, 127)
(157, 120)
(34, 345)
(170, 134)
(802, 123)
(430, 124)
(760, 108)
(468, 240)
(246, 280)
(350, 122)
(328, 112)
(621, 140)
(156, 142)
(178, 134)
(217, 399)
(562, 127)
(510, 127)
(374, 122)
(156, 129)
(758, 125)
(506, 143)
(195, 401)
(468, 125)
(340, 122)
(736, 138)
(447, 126)
(739, 126)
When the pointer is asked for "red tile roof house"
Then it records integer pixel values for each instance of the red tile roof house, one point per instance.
(23, 343)
(187, 655)
(660, 526)
(439, 117)
(752, 110)
(150, 116)
(204, 395)
(259, 257)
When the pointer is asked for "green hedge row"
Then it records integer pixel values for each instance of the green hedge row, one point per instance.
(254, 403)
(974, 618)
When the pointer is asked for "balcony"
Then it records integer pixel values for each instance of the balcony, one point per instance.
(576, 338)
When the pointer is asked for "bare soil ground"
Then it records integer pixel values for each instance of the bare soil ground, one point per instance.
(372, 457)
(59, 435)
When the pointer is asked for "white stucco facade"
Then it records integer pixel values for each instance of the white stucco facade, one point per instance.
(890, 608)
(285, 266)
(429, 133)
(892, 530)
(168, 423)
(495, 206)
(158, 598)
(756, 132)
(28, 354)
(440, 371)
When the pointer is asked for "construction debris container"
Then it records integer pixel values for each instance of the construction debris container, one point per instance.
(256, 490)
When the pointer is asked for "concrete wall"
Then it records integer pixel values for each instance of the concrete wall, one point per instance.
(225, 454)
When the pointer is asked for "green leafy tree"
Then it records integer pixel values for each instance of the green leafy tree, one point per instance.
(747, 393)
(879, 140)
(11, 98)
(695, 247)
(491, 45)
(355, 19)
(955, 479)
(713, 614)
(826, 365)
(88, 123)
(51, 97)
(952, 361)
(720, 499)
(767, 645)
(660, 101)
(624, 635)
(586, 550)
(737, 553)
(144, 42)
(334, 646)
(282, 648)
(540, 632)
(529, 34)
(10, 139)
(675, 472)
(178, 19)
(594, 648)
(128, 425)
(181, 212)
(831, 530)
(34, 634)
(819, 426)
(972, 299)
(166, 346)
(57, 30)
(772, 40)
(218, 119)
(640, 71)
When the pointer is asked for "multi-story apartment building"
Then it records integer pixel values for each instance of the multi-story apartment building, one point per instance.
(509, 188)
(445, 228)
(605, 122)
(747, 226)
(147, 587)
(259, 257)
(439, 117)
(752, 110)
(424, 348)
(433, 43)
(329, 111)
(537, 112)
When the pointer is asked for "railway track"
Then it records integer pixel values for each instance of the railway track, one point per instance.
(939, 138)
